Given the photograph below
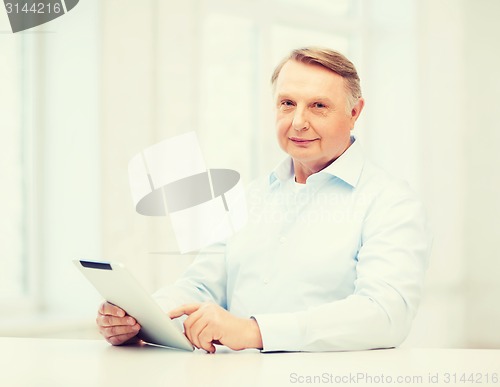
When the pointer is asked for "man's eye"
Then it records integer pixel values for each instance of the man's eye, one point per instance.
(319, 105)
(286, 103)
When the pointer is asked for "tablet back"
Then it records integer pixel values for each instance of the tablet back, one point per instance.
(115, 283)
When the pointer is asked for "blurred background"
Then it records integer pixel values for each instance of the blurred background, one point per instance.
(81, 95)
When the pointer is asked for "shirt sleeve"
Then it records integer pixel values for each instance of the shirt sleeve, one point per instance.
(390, 267)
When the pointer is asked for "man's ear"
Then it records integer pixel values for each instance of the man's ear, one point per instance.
(357, 108)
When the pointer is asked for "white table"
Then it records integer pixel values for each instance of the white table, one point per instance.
(54, 362)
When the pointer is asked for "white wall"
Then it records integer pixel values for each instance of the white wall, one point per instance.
(481, 139)
(441, 92)
(390, 69)
(458, 90)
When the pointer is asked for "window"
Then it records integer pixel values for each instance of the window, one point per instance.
(227, 90)
(49, 162)
(16, 155)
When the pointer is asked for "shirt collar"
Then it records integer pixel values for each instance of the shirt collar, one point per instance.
(347, 167)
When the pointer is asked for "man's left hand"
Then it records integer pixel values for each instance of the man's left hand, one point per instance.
(209, 324)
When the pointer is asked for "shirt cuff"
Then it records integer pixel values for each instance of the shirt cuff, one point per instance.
(280, 331)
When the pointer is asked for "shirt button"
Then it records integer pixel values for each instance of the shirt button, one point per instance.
(282, 240)
(265, 280)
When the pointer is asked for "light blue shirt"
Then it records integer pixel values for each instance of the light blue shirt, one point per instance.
(334, 264)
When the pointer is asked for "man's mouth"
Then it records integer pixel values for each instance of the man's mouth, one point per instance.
(302, 141)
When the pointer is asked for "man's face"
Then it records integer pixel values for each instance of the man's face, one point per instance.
(312, 123)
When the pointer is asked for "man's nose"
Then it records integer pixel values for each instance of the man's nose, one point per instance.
(300, 122)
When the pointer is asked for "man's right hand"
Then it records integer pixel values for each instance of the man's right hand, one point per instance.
(115, 325)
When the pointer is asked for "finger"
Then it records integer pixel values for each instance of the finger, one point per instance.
(118, 330)
(184, 309)
(111, 310)
(187, 328)
(192, 319)
(120, 339)
(195, 330)
(109, 321)
(188, 324)
(205, 338)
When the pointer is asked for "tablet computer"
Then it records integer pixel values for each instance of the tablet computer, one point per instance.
(115, 283)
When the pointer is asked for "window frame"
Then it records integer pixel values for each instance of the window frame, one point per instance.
(29, 299)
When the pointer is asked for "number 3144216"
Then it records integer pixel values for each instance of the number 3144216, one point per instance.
(33, 8)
